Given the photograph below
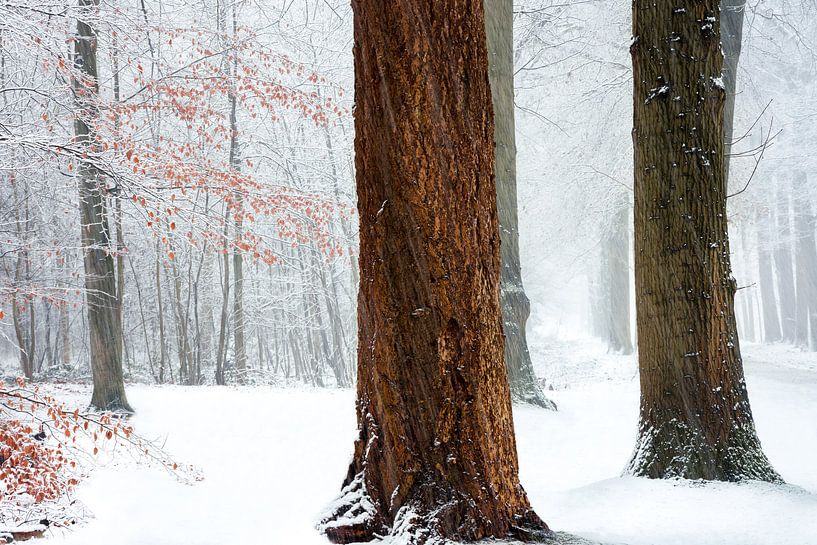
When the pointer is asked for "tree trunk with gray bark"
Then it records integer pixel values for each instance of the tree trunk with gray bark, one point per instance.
(513, 301)
(768, 299)
(806, 257)
(104, 321)
(695, 417)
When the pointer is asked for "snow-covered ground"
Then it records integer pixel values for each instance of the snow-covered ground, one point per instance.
(273, 458)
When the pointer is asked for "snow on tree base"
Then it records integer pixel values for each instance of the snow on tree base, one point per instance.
(351, 517)
(532, 396)
(677, 451)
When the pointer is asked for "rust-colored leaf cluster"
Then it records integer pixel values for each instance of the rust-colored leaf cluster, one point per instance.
(46, 447)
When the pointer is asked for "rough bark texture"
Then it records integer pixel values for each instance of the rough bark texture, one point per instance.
(100, 275)
(436, 456)
(695, 419)
(513, 301)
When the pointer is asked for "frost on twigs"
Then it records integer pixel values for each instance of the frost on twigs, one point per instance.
(47, 448)
(23, 520)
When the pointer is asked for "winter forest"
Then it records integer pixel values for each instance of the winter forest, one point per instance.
(410, 271)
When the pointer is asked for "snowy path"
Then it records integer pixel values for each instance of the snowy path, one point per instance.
(273, 458)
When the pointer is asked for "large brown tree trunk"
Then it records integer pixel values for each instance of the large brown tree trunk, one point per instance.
(100, 276)
(513, 301)
(695, 419)
(436, 455)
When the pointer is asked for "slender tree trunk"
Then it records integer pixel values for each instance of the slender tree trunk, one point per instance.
(614, 305)
(117, 198)
(163, 360)
(64, 315)
(436, 455)
(144, 323)
(783, 265)
(768, 301)
(22, 282)
(65, 335)
(238, 256)
(48, 354)
(104, 321)
(746, 296)
(806, 311)
(340, 348)
(513, 301)
(340, 332)
(202, 319)
(32, 319)
(205, 342)
(181, 321)
(695, 418)
(223, 333)
(238, 309)
(732, 15)
(343, 222)
(22, 342)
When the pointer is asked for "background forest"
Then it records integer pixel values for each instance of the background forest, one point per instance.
(204, 151)
(278, 306)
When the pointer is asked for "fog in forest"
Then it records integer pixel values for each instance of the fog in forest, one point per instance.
(575, 164)
(573, 86)
(189, 186)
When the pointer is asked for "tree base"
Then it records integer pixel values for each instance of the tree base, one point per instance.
(676, 451)
(121, 409)
(425, 520)
(532, 395)
(110, 401)
(353, 517)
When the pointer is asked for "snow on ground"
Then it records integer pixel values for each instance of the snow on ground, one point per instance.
(273, 458)
(571, 461)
